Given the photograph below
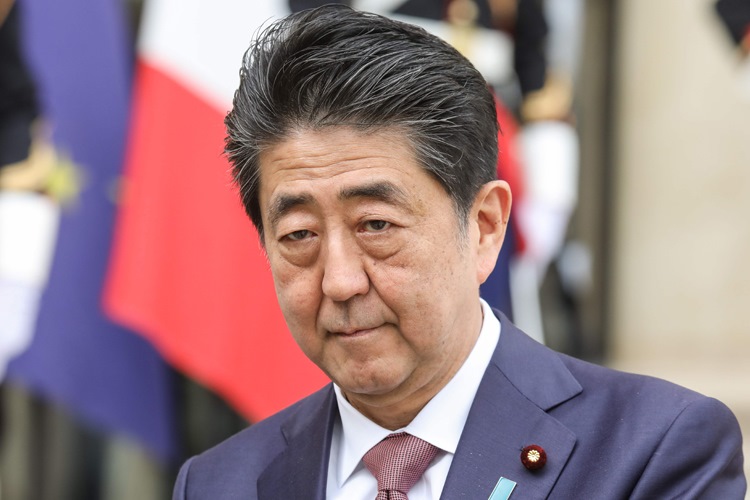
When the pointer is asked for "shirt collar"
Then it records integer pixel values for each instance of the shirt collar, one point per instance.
(440, 422)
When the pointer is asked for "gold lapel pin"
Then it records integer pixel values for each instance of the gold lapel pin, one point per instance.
(533, 457)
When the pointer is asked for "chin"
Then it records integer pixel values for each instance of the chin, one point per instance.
(373, 386)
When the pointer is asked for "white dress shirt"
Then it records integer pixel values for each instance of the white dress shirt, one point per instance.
(440, 423)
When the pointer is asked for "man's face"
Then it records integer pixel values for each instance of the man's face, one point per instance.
(376, 285)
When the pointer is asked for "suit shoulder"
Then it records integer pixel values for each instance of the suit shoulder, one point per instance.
(230, 469)
(604, 382)
(641, 405)
(601, 393)
(668, 441)
(263, 434)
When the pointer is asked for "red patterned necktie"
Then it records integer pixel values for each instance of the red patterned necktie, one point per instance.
(397, 462)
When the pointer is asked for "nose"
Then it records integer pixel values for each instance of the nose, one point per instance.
(344, 275)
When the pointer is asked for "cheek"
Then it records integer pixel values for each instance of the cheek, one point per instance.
(411, 283)
(422, 284)
(300, 304)
(298, 291)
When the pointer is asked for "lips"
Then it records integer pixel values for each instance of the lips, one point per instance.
(353, 331)
(349, 332)
(350, 324)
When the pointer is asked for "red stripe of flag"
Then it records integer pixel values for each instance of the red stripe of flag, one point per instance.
(187, 270)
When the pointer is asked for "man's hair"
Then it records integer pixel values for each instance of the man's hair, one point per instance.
(333, 66)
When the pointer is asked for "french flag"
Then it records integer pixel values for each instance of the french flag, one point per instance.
(187, 270)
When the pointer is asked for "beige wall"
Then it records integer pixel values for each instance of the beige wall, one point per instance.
(682, 233)
(681, 267)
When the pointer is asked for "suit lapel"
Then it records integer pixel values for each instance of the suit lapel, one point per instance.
(522, 382)
(301, 470)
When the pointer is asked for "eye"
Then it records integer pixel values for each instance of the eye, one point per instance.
(375, 226)
(299, 235)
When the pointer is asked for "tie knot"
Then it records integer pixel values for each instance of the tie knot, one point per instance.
(397, 462)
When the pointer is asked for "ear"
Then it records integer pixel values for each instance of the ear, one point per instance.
(490, 213)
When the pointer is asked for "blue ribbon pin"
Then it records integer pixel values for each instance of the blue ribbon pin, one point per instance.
(503, 489)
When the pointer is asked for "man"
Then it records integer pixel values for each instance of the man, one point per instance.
(365, 154)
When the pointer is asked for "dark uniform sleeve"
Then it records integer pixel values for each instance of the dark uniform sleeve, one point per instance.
(530, 35)
(18, 105)
(735, 14)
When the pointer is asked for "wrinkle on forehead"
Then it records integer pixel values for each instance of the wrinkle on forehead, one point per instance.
(326, 165)
(305, 149)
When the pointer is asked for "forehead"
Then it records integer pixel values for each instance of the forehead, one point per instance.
(340, 161)
(309, 153)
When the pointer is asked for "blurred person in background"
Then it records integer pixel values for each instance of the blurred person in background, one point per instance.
(28, 217)
(735, 15)
(365, 153)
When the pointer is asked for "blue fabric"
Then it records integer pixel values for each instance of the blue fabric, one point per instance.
(496, 289)
(108, 376)
(606, 434)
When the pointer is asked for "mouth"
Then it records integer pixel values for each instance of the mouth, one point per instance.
(354, 332)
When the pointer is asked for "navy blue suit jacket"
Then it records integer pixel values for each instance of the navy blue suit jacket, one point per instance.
(608, 435)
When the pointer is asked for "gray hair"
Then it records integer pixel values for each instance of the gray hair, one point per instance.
(334, 66)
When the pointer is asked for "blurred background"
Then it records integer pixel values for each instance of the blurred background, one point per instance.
(138, 321)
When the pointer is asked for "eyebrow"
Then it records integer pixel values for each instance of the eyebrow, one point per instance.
(284, 204)
(383, 191)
